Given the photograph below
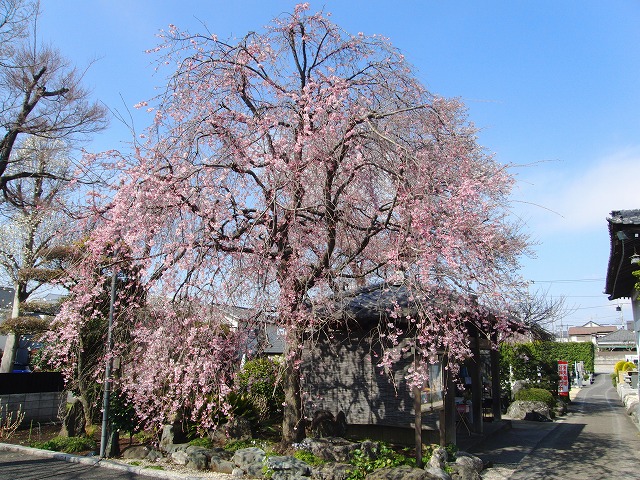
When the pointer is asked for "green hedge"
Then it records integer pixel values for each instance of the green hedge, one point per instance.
(536, 395)
(548, 352)
(537, 362)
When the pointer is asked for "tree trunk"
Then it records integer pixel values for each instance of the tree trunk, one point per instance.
(292, 423)
(9, 354)
(88, 410)
(13, 339)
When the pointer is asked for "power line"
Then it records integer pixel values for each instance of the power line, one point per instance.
(575, 280)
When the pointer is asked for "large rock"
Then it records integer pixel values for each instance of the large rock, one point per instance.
(250, 461)
(464, 472)
(198, 460)
(335, 449)
(74, 423)
(405, 472)
(236, 429)
(466, 467)
(180, 457)
(221, 465)
(171, 434)
(333, 471)
(287, 468)
(139, 452)
(538, 411)
(466, 459)
(154, 456)
(112, 449)
(247, 456)
(438, 459)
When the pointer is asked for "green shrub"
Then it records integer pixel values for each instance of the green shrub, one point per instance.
(242, 405)
(536, 362)
(536, 395)
(144, 437)
(618, 366)
(451, 449)
(237, 445)
(67, 444)
(309, 458)
(201, 442)
(384, 457)
(259, 380)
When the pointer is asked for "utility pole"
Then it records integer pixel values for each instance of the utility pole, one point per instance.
(107, 370)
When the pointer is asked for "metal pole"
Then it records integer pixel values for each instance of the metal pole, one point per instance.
(107, 369)
(417, 409)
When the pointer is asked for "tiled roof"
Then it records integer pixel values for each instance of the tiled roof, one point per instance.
(592, 330)
(619, 336)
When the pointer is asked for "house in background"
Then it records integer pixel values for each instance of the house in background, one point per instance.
(624, 259)
(616, 346)
(44, 306)
(590, 332)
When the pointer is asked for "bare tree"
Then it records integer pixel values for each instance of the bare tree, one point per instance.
(41, 95)
(538, 310)
(15, 16)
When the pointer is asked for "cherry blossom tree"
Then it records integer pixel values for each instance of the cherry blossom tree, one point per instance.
(300, 162)
(76, 343)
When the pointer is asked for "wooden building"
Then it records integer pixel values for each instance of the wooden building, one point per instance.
(341, 374)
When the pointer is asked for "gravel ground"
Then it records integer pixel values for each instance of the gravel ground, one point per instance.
(180, 470)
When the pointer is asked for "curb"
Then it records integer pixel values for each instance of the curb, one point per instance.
(97, 462)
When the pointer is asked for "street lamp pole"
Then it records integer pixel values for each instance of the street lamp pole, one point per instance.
(107, 369)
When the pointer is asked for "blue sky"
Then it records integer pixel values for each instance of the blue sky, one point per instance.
(553, 86)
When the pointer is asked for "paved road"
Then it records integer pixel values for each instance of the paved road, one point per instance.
(22, 466)
(597, 440)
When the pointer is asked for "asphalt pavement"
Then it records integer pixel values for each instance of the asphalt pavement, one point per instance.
(597, 439)
(24, 463)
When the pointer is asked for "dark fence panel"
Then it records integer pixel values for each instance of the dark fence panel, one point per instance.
(11, 383)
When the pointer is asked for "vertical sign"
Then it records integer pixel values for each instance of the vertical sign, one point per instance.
(563, 373)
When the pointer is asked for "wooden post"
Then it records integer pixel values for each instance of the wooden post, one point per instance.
(417, 405)
(475, 371)
(417, 409)
(449, 407)
(495, 381)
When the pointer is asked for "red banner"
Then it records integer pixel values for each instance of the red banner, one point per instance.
(563, 372)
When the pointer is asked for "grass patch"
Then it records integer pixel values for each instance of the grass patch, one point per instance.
(384, 457)
(309, 458)
(66, 444)
(265, 445)
(201, 442)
